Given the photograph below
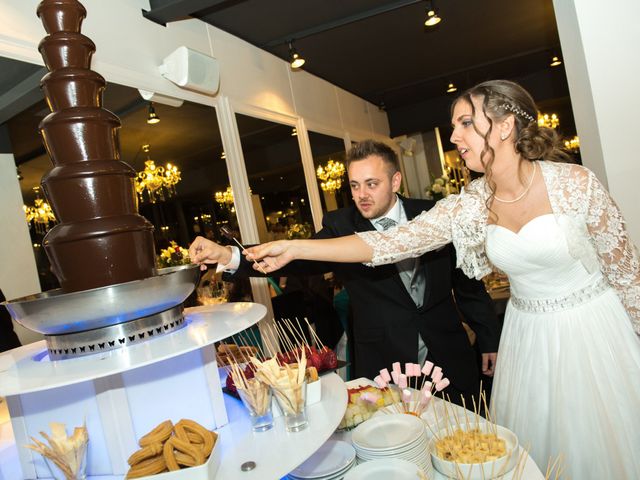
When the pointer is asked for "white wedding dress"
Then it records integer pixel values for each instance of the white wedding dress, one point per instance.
(568, 372)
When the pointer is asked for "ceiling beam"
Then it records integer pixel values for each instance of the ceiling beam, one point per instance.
(21, 96)
(166, 11)
(339, 22)
(464, 70)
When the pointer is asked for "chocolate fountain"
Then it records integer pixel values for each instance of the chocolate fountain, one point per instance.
(102, 250)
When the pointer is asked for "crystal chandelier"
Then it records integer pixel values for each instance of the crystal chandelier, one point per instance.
(40, 214)
(572, 144)
(225, 198)
(331, 176)
(157, 182)
(549, 121)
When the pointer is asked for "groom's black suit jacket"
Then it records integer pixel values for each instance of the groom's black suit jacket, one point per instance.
(386, 321)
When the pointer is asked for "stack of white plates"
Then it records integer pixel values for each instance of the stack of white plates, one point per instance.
(398, 435)
(330, 462)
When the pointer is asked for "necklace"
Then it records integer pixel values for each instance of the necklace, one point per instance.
(526, 190)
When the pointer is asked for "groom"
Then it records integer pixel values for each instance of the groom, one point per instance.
(407, 312)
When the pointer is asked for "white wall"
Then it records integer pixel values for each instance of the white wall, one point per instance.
(599, 45)
(18, 273)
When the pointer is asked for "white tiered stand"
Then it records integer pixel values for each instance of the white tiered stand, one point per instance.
(123, 394)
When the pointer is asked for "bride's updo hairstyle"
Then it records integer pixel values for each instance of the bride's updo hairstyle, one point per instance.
(501, 98)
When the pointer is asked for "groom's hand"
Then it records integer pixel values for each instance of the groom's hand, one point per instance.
(271, 256)
(489, 363)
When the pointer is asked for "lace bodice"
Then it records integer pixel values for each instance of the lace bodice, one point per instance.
(592, 224)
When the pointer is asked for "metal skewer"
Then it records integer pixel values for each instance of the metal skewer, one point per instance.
(229, 235)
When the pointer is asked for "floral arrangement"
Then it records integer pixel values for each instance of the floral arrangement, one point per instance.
(299, 230)
(173, 256)
(438, 189)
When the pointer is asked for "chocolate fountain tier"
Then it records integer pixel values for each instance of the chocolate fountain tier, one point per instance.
(72, 87)
(58, 313)
(61, 15)
(78, 186)
(99, 252)
(81, 134)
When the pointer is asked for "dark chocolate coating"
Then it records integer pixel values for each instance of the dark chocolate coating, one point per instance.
(100, 240)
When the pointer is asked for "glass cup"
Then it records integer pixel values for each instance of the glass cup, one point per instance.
(257, 399)
(58, 474)
(291, 401)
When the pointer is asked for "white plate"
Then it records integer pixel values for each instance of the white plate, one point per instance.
(332, 457)
(390, 469)
(388, 432)
(334, 476)
(415, 448)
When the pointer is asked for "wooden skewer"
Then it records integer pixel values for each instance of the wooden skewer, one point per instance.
(254, 261)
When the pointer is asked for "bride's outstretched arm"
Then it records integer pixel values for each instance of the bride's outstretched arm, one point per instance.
(274, 255)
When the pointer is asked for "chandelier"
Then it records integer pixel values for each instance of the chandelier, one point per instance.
(549, 121)
(40, 214)
(572, 144)
(225, 198)
(331, 176)
(157, 182)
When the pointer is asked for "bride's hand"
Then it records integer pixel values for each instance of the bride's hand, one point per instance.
(271, 256)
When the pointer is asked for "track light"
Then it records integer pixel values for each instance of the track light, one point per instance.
(555, 61)
(153, 117)
(295, 59)
(451, 88)
(432, 15)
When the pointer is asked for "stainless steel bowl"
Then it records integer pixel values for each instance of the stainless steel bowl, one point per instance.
(58, 313)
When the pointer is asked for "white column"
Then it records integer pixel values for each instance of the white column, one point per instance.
(241, 194)
(599, 46)
(18, 271)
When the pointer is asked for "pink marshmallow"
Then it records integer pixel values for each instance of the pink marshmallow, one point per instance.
(427, 386)
(380, 382)
(396, 367)
(427, 367)
(425, 397)
(436, 375)
(442, 384)
(384, 373)
(396, 377)
(416, 369)
(406, 395)
(402, 380)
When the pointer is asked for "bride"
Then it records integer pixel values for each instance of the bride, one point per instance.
(568, 373)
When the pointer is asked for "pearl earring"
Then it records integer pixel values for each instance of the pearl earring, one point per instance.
(503, 136)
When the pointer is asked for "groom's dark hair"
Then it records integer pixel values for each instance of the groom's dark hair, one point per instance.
(366, 148)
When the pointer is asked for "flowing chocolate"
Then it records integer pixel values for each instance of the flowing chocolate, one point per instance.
(100, 240)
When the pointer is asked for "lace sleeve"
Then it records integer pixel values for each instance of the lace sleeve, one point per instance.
(618, 256)
(428, 231)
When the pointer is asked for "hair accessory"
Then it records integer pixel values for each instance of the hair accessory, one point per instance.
(518, 111)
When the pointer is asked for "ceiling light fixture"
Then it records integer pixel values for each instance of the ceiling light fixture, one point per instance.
(295, 59)
(432, 15)
(39, 214)
(156, 182)
(452, 88)
(153, 117)
(555, 61)
(331, 175)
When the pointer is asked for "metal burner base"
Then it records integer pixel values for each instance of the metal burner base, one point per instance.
(114, 337)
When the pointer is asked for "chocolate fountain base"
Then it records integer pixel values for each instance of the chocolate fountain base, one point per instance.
(59, 313)
(118, 336)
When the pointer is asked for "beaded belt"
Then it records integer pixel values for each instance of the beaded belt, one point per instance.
(561, 303)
